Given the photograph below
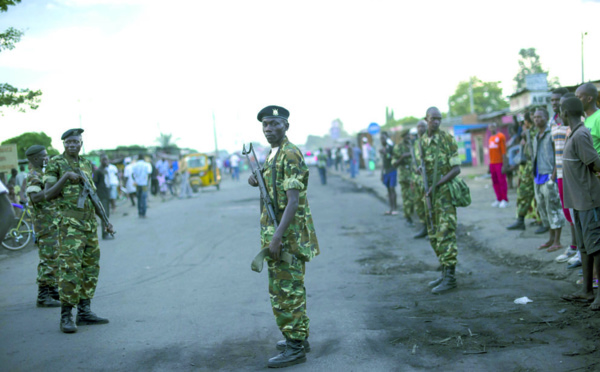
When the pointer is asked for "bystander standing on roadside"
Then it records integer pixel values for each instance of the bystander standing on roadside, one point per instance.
(101, 179)
(128, 179)
(7, 214)
(322, 166)
(356, 155)
(582, 193)
(141, 175)
(546, 189)
(114, 182)
(498, 161)
(234, 162)
(588, 95)
(184, 188)
(388, 172)
(338, 159)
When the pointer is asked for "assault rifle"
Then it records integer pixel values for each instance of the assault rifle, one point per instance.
(426, 185)
(89, 191)
(264, 194)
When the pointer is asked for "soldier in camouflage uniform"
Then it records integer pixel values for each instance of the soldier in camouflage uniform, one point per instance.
(419, 193)
(286, 178)
(401, 159)
(439, 147)
(525, 189)
(46, 230)
(79, 252)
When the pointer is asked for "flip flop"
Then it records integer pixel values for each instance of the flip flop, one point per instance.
(394, 213)
(555, 248)
(576, 297)
(545, 245)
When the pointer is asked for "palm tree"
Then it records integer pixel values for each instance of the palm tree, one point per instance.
(166, 141)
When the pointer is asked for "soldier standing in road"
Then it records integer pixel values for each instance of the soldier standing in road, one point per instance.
(286, 178)
(401, 159)
(419, 193)
(442, 164)
(79, 251)
(46, 229)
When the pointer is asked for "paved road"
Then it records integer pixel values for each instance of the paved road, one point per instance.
(180, 296)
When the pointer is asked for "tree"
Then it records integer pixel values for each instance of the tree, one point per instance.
(10, 96)
(529, 63)
(165, 141)
(487, 97)
(25, 140)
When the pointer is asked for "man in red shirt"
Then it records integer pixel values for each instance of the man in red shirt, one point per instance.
(497, 149)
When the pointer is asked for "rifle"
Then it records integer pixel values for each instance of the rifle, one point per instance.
(425, 185)
(89, 191)
(264, 194)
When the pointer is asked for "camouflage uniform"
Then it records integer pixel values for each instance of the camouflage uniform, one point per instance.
(419, 193)
(404, 177)
(79, 251)
(286, 281)
(525, 192)
(46, 232)
(442, 147)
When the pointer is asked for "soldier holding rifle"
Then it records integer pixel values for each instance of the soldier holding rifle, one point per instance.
(291, 242)
(418, 181)
(67, 180)
(439, 154)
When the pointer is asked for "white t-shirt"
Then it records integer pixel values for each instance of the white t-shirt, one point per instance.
(3, 188)
(234, 160)
(273, 152)
(113, 175)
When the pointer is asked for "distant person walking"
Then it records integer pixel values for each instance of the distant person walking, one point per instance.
(234, 161)
(497, 151)
(141, 174)
(114, 182)
(322, 166)
(129, 183)
(185, 190)
(389, 173)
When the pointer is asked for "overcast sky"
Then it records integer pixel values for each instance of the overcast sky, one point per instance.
(134, 68)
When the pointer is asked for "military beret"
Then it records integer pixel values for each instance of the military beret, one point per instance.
(71, 132)
(273, 112)
(572, 104)
(35, 149)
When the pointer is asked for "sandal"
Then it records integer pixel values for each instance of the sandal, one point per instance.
(394, 213)
(554, 248)
(576, 297)
(545, 245)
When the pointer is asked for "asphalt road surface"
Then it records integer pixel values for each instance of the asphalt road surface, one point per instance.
(180, 295)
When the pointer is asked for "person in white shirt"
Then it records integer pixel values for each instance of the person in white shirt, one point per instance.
(128, 178)
(141, 173)
(112, 174)
(234, 160)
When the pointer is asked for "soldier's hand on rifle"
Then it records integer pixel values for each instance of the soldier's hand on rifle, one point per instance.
(72, 176)
(109, 228)
(275, 247)
(252, 181)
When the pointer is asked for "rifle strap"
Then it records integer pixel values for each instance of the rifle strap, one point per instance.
(435, 172)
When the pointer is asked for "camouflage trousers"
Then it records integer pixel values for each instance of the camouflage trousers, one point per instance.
(79, 261)
(408, 201)
(443, 235)
(47, 243)
(419, 196)
(525, 195)
(548, 203)
(288, 298)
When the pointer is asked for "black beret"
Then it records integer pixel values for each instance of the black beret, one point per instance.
(273, 112)
(71, 132)
(572, 105)
(35, 149)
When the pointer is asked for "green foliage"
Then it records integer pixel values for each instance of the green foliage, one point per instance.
(529, 63)
(165, 141)
(487, 97)
(25, 140)
(10, 96)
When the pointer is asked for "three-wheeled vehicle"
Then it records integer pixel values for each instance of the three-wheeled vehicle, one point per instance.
(203, 170)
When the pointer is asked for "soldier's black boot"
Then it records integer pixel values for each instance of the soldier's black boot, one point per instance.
(519, 225)
(85, 316)
(281, 345)
(44, 299)
(421, 234)
(293, 354)
(437, 282)
(449, 281)
(66, 319)
(53, 291)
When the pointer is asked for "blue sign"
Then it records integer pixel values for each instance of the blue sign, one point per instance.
(373, 129)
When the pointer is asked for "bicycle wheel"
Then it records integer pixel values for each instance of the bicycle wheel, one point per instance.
(17, 238)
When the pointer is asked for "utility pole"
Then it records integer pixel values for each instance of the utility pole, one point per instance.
(471, 96)
(582, 76)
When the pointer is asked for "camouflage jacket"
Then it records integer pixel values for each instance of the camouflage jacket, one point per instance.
(67, 201)
(443, 147)
(44, 212)
(291, 171)
(404, 166)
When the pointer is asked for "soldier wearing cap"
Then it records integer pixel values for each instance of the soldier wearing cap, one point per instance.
(46, 229)
(401, 159)
(286, 178)
(79, 251)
